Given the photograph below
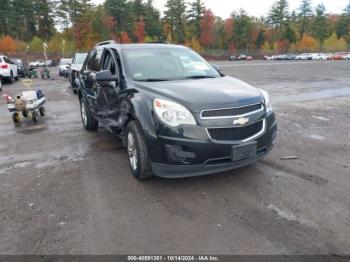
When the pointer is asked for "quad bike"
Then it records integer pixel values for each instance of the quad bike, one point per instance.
(26, 104)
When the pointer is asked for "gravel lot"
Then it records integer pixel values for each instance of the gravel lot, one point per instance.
(66, 191)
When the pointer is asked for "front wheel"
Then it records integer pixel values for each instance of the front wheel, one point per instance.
(42, 111)
(137, 152)
(89, 122)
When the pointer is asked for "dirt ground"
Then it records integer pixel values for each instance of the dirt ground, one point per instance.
(67, 191)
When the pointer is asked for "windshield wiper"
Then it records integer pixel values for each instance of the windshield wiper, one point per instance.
(153, 80)
(199, 77)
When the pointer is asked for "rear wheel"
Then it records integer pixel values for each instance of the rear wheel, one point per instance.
(137, 152)
(89, 122)
(11, 79)
(15, 118)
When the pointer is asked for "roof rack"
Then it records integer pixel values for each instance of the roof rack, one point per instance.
(108, 42)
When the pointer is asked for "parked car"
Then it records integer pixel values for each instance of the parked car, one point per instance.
(21, 67)
(48, 63)
(74, 70)
(347, 57)
(319, 56)
(37, 63)
(336, 56)
(176, 114)
(249, 58)
(242, 57)
(63, 67)
(305, 56)
(232, 58)
(8, 69)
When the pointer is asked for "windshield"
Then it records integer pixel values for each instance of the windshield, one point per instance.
(18, 62)
(163, 64)
(79, 58)
(65, 61)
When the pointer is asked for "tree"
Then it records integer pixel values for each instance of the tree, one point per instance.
(69, 12)
(124, 38)
(228, 32)
(304, 15)
(195, 15)
(122, 12)
(320, 26)
(36, 45)
(207, 29)
(278, 14)
(343, 25)
(175, 17)
(7, 45)
(334, 44)
(139, 30)
(243, 28)
(307, 43)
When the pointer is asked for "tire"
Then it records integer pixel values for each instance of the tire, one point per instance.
(42, 111)
(35, 116)
(15, 118)
(89, 123)
(137, 152)
(11, 79)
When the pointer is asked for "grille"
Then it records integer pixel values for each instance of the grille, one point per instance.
(235, 133)
(235, 111)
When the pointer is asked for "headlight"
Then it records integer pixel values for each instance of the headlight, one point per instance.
(268, 105)
(172, 113)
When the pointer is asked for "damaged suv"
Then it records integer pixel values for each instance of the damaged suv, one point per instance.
(176, 114)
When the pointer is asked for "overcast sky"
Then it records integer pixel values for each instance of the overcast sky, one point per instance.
(257, 8)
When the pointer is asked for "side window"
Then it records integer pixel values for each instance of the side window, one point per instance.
(109, 64)
(86, 62)
(7, 60)
(95, 61)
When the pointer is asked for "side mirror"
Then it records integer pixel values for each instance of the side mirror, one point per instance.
(106, 76)
(218, 69)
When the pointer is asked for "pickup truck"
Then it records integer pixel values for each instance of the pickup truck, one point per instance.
(177, 115)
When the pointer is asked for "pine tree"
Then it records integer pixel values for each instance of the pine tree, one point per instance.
(175, 16)
(195, 14)
(304, 15)
(320, 26)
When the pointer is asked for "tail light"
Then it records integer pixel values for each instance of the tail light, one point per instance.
(4, 66)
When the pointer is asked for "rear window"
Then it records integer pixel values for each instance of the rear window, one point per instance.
(65, 61)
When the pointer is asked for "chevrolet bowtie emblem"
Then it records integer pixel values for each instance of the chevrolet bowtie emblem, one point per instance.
(241, 121)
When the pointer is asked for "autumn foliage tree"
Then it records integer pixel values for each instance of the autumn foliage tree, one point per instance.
(139, 30)
(110, 24)
(124, 38)
(206, 38)
(7, 45)
(307, 43)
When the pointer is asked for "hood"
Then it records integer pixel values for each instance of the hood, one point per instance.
(211, 93)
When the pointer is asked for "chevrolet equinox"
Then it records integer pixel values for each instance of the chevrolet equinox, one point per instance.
(176, 114)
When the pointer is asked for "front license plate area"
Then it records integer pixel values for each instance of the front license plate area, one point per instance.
(244, 151)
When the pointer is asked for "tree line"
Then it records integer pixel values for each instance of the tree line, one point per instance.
(70, 25)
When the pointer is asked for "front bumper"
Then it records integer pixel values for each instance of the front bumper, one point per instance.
(198, 157)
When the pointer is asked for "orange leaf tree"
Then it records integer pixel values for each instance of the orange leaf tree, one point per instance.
(207, 29)
(7, 45)
(139, 30)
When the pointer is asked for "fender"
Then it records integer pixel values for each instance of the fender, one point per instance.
(141, 109)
